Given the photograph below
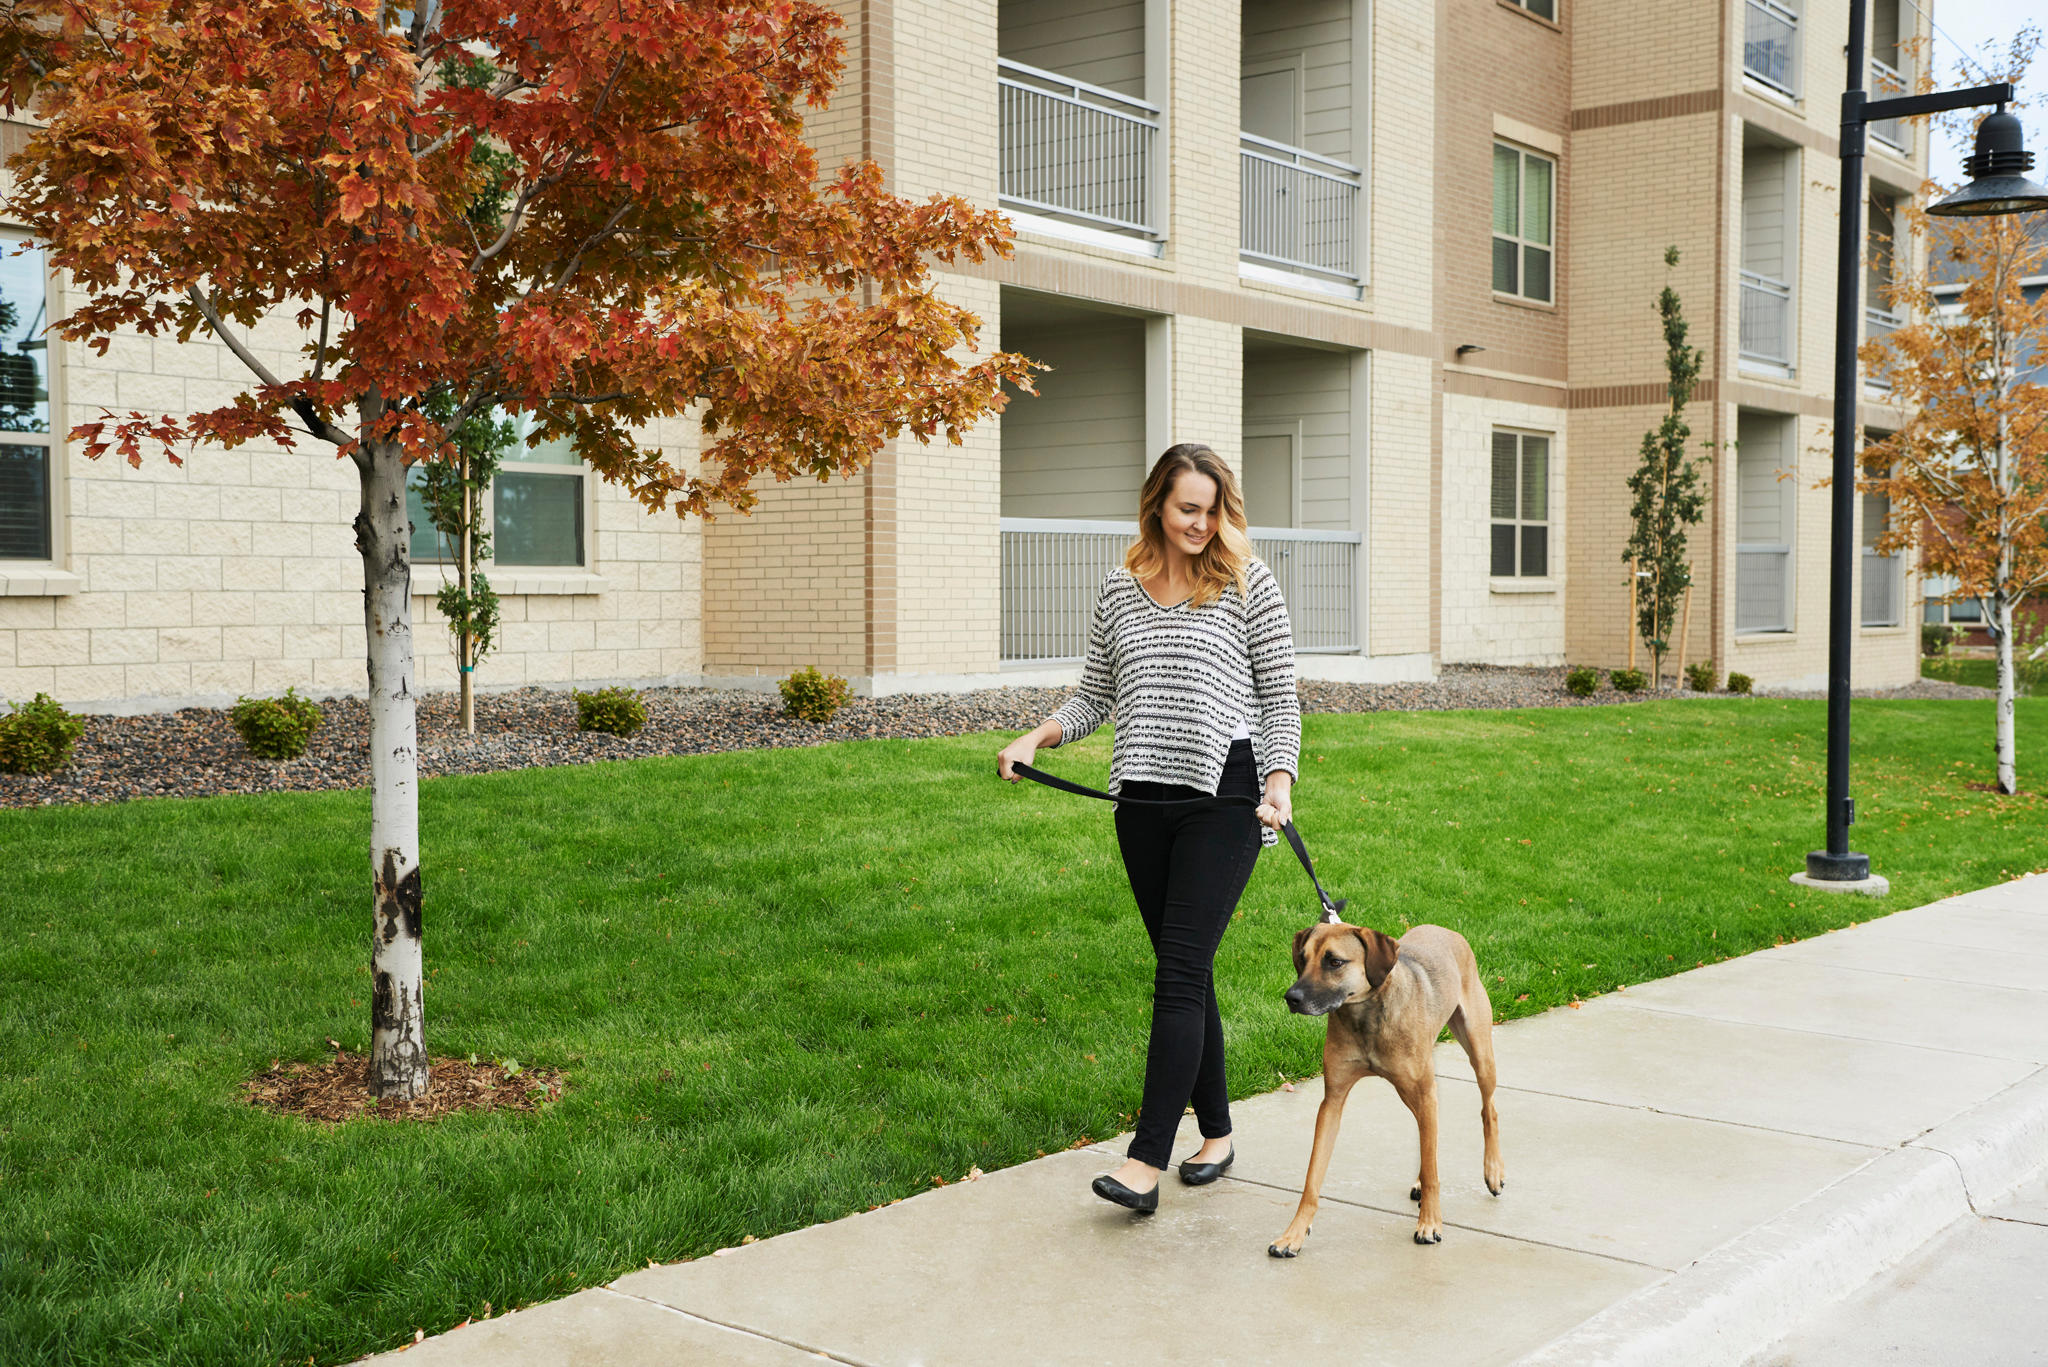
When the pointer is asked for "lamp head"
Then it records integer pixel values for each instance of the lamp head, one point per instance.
(1997, 170)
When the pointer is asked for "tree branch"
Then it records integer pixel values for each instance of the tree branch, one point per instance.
(316, 425)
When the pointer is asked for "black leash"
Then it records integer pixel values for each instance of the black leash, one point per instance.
(1332, 909)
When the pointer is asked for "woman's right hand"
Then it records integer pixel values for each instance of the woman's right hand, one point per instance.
(1019, 751)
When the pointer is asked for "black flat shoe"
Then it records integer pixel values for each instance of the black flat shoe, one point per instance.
(1111, 1190)
(1202, 1174)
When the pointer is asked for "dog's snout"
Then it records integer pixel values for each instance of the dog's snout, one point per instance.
(1295, 997)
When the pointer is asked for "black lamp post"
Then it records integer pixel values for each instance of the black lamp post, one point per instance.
(1998, 186)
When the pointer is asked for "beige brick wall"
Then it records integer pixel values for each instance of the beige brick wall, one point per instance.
(1398, 541)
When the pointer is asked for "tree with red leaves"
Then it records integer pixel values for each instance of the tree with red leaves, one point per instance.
(598, 213)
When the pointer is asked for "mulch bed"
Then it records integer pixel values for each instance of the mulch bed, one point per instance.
(196, 753)
(339, 1090)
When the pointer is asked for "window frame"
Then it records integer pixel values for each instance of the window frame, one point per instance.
(1522, 243)
(1530, 10)
(1548, 521)
(55, 448)
(487, 512)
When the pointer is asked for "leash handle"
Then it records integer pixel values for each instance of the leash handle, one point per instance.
(1332, 908)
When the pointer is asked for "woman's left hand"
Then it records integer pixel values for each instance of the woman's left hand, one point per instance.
(1277, 809)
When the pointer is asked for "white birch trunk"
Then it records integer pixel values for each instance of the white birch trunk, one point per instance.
(398, 1048)
(2001, 602)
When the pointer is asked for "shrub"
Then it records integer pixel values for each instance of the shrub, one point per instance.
(812, 696)
(276, 728)
(36, 737)
(1701, 676)
(1627, 680)
(1740, 683)
(1936, 638)
(616, 711)
(1582, 681)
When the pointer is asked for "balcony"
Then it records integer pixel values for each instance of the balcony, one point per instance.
(1053, 567)
(1076, 152)
(1885, 82)
(1766, 325)
(1300, 211)
(1879, 323)
(1770, 46)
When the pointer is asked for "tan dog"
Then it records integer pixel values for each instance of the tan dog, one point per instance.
(1387, 1001)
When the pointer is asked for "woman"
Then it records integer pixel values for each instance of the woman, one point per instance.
(1190, 645)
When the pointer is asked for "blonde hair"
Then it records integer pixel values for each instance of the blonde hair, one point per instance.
(1222, 562)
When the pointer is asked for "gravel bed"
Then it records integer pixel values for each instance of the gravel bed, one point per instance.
(196, 753)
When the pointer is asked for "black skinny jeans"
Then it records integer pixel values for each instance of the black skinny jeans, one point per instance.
(1187, 869)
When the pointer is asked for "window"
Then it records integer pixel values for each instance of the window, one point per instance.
(1763, 523)
(533, 510)
(1964, 612)
(1521, 506)
(1881, 573)
(1524, 195)
(25, 476)
(1542, 9)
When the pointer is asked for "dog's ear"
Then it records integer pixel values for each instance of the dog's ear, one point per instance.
(1300, 949)
(1379, 954)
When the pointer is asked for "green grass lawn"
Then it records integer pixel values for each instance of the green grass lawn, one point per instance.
(1977, 671)
(788, 985)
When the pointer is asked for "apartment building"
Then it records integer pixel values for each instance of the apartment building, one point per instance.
(1397, 261)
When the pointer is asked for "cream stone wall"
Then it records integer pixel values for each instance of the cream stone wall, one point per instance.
(1506, 621)
(236, 572)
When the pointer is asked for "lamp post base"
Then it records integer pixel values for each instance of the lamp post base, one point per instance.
(1840, 868)
(1842, 873)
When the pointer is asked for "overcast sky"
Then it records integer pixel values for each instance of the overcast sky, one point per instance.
(1983, 29)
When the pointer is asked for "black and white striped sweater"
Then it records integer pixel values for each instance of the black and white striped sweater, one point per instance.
(1180, 679)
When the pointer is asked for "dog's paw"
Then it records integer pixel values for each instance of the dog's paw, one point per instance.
(1434, 1236)
(1288, 1245)
(1496, 1184)
(1415, 1193)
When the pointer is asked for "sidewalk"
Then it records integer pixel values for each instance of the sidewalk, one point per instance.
(1694, 1167)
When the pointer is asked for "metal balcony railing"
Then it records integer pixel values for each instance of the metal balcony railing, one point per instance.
(1076, 150)
(1770, 45)
(1766, 324)
(1300, 210)
(1053, 568)
(1886, 82)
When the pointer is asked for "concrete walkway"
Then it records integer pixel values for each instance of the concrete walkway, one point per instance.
(1696, 1167)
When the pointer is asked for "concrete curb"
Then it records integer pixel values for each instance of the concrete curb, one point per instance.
(1999, 1144)
(1758, 1287)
